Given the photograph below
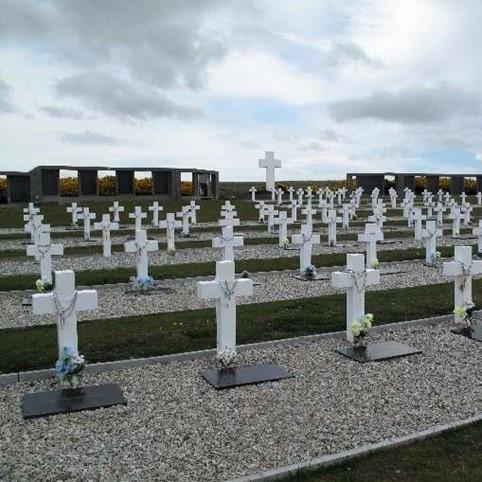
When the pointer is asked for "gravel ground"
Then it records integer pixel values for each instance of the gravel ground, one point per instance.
(9, 267)
(177, 428)
(181, 294)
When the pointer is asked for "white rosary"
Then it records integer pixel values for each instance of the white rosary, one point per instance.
(63, 312)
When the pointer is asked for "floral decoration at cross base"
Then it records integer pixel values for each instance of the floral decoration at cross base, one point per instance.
(310, 272)
(171, 251)
(43, 287)
(436, 258)
(466, 315)
(144, 284)
(375, 264)
(286, 243)
(69, 369)
(226, 358)
(359, 330)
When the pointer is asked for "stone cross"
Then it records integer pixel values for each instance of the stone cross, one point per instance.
(116, 208)
(31, 210)
(477, 231)
(43, 252)
(185, 215)
(332, 219)
(228, 241)
(305, 240)
(291, 190)
(270, 164)
(229, 220)
(378, 216)
(261, 207)
(479, 198)
(323, 205)
(356, 278)
(440, 195)
(294, 210)
(35, 227)
(225, 288)
(345, 223)
(429, 207)
(370, 237)
(463, 198)
(193, 207)
(105, 225)
(320, 195)
(273, 194)
(65, 302)
(141, 246)
(430, 235)
(300, 194)
(156, 209)
(282, 220)
(228, 207)
(393, 198)
(74, 210)
(466, 209)
(170, 224)
(447, 198)
(280, 193)
(309, 213)
(86, 216)
(138, 215)
(462, 268)
(418, 219)
(339, 195)
(439, 209)
(455, 216)
(253, 192)
(271, 213)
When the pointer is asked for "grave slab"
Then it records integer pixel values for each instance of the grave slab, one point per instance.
(317, 277)
(221, 378)
(42, 404)
(472, 332)
(387, 350)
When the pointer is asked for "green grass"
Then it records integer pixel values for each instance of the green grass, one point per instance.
(160, 334)
(122, 275)
(454, 456)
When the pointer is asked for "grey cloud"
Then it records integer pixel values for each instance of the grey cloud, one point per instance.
(414, 104)
(330, 135)
(343, 52)
(312, 146)
(122, 98)
(165, 43)
(62, 112)
(5, 105)
(88, 137)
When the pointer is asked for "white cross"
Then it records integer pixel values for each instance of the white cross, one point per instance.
(228, 241)
(270, 164)
(105, 226)
(227, 206)
(370, 237)
(138, 215)
(320, 195)
(479, 198)
(43, 252)
(300, 193)
(261, 211)
(332, 219)
(463, 198)
(345, 216)
(439, 209)
(429, 208)
(141, 246)
(185, 215)
(305, 240)
(273, 194)
(225, 288)
(477, 231)
(466, 209)
(116, 209)
(323, 205)
(418, 217)
(309, 213)
(462, 268)
(291, 190)
(355, 279)
(35, 227)
(447, 198)
(86, 216)
(253, 192)
(170, 223)
(280, 193)
(31, 210)
(282, 220)
(440, 194)
(393, 198)
(74, 210)
(193, 207)
(455, 216)
(156, 209)
(65, 302)
(339, 195)
(271, 213)
(229, 219)
(430, 235)
(294, 210)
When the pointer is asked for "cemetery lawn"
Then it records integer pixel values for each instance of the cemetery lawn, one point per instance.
(449, 457)
(35, 347)
(174, 271)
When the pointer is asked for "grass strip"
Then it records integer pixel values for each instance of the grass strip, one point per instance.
(166, 333)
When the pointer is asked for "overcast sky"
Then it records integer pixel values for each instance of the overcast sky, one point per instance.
(330, 86)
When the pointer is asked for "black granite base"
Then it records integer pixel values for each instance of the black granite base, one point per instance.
(42, 404)
(378, 351)
(221, 378)
(317, 277)
(472, 332)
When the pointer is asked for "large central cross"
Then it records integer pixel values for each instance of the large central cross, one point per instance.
(225, 288)
(141, 246)
(270, 164)
(355, 279)
(65, 302)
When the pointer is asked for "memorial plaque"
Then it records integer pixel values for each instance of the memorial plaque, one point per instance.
(387, 350)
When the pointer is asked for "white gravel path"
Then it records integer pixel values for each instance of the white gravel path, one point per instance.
(181, 294)
(177, 428)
